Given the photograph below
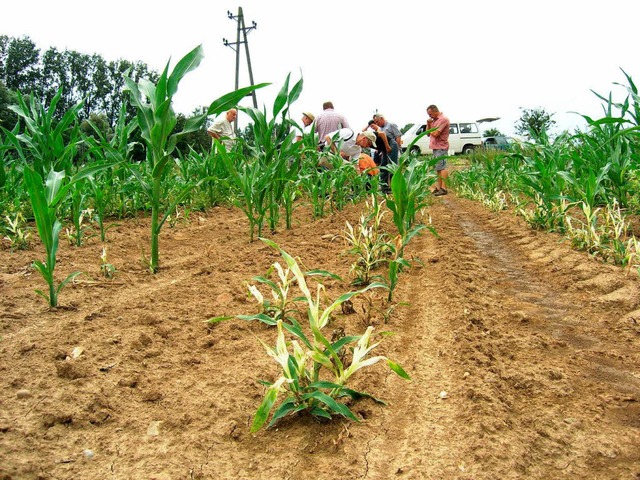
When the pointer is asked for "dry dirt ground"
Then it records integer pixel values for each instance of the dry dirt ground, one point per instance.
(523, 355)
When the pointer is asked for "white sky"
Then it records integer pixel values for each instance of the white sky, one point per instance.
(472, 59)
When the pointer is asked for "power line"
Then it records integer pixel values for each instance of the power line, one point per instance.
(235, 46)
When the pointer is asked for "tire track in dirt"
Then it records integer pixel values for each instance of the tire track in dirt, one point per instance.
(518, 332)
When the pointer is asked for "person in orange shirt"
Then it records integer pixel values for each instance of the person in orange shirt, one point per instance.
(366, 164)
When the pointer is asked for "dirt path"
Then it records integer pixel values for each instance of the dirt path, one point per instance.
(523, 355)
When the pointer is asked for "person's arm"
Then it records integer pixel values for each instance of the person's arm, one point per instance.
(430, 126)
(214, 130)
(383, 135)
(328, 141)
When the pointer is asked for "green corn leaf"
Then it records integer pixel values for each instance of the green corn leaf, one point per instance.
(265, 408)
(287, 407)
(319, 412)
(259, 316)
(67, 280)
(355, 395)
(189, 62)
(322, 384)
(214, 320)
(296, 329)
(273, 285)
(337, 407)
(44, 295)
(323, 360)
(281, 99)
(231, 99)
(344, 341)
(398, 369)
(322, 273)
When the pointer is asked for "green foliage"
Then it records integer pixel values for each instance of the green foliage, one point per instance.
(45, 197)
(48, 143)
(8, 118)
(534, 123)
(368, 243)
(157, 120)
(314, 371)
(492, 132)
(579, 184)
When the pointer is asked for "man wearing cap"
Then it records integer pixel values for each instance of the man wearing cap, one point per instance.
(307, 121)
(348, 143)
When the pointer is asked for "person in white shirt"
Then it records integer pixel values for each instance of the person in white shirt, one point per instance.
(222, 128)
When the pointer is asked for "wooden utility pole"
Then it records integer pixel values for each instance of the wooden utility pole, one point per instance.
(243, 30)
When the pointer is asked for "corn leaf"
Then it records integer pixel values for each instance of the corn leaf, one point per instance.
(398, 369)
(355, 395)
(265, 407)
(287, 407)
(337, 407)
(189, 62)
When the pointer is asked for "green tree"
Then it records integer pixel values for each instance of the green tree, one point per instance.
(493, 132)
(534, 123)
(8, 118)
(198, 139)
(21, 66)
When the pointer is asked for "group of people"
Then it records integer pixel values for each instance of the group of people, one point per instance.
(381, 136)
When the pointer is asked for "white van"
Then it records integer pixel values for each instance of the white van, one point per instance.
(464, 137)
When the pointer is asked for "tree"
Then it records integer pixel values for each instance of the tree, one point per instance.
(8, 118)
(22, 66)
(493, 132)
(534, 123)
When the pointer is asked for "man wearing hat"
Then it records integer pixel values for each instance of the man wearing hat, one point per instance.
(348, 143)
(307, 121)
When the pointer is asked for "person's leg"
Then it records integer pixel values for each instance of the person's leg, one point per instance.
(442, 172)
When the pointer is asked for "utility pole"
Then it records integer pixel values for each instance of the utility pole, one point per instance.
(235, 46)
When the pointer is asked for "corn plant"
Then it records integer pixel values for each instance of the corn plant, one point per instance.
(409, 187)
(51, 144)
(303, 382)
(317, 186)
(46, 196)
(277, 153)
(252, 179)
(367, 241)
(79, 213)
(17, 233)
(106, 269)
(157, 120)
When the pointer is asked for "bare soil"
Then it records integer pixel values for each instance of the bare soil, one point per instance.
(523, 355)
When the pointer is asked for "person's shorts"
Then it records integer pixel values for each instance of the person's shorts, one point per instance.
(442, 164)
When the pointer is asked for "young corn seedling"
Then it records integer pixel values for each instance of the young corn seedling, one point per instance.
(81, 227)
(107, 270)
(45, 197)
(282, 304)
(17, 233)
(368, 243)
(314, 374)
(302, 382)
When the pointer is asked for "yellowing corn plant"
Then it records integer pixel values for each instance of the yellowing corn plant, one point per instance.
(314, 373)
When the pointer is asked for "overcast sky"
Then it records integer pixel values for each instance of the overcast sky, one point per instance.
(472, 59)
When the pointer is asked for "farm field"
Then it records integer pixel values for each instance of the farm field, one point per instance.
(523, 356)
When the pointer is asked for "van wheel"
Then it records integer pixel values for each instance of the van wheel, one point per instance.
(415, 150)
(468, 149)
